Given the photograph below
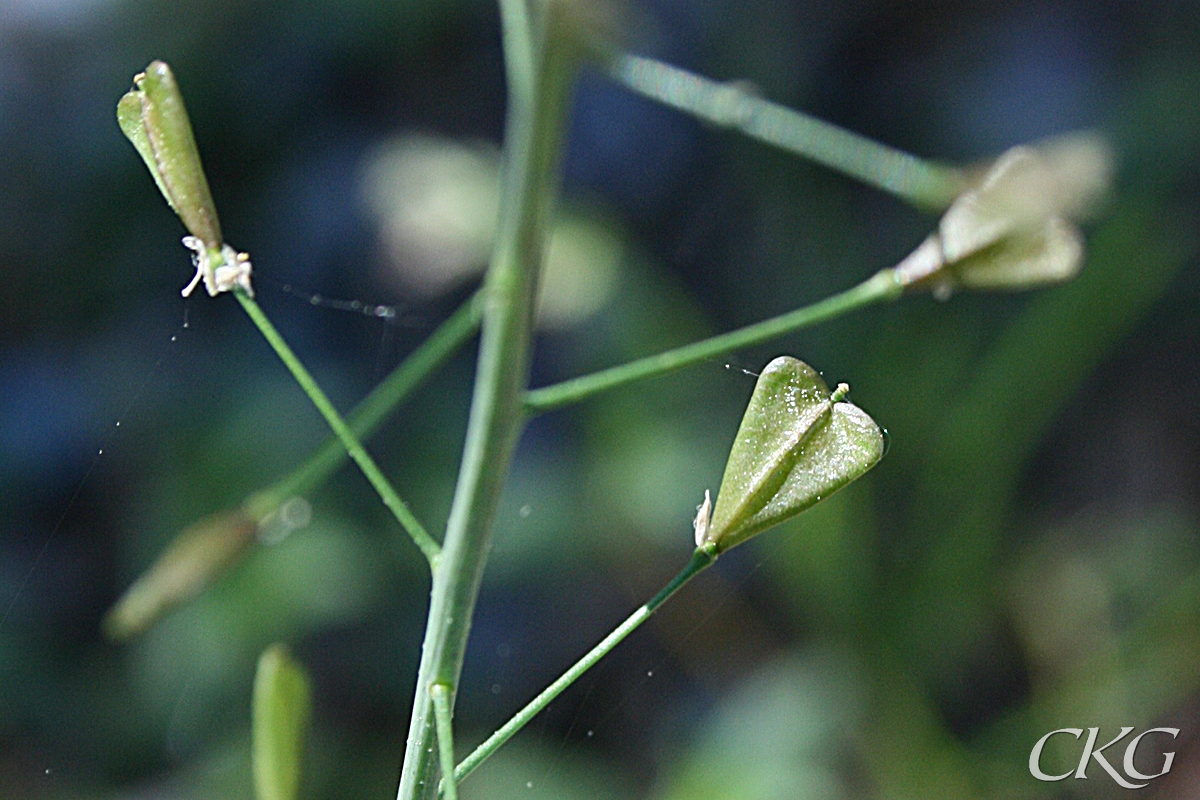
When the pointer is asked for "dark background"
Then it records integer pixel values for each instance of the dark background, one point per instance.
(1025, 557)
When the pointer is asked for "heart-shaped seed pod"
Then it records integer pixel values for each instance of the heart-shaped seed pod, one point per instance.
(798, 443)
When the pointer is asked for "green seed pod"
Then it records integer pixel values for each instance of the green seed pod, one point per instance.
(281, 715)
(129, 117)
(153, 117)
(1015, 228)
(798, 443)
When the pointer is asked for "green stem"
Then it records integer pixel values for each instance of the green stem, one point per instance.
(440, 694)
(533, 142)
(390, 499)
(701, 559)
(924, 183)
(517, 37)
(373, 410)
(882, 286)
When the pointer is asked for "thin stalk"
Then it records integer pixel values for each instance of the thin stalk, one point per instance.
(518, 49)
(390, 499)
(440, 694)
(923, 183)
(533, 142)
(701, 559)
(882, 286)
(373, 410)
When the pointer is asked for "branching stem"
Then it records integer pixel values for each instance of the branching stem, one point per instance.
(701, 559)
(373, 410)
(533, 144)
(390, 499)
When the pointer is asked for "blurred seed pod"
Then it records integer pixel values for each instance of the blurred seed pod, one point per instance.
(282, 712)
(200, 553)
(1015, 228)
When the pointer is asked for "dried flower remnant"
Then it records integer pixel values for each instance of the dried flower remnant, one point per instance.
(703, 517)
(232, 270)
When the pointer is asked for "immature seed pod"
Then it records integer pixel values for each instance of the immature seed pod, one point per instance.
(201, 552)
(1014, 229)
(129, 117)
(153, 117)
(281, 717)
(798, 443)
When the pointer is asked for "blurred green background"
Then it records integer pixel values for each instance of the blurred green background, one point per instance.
(1025, 557)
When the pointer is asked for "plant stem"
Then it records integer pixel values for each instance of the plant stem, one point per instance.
(518, 49)
(440, 694)
(879, 287)
(923, 183)
(373, 410)
(533, 141)
(390, 499)
(701, 559)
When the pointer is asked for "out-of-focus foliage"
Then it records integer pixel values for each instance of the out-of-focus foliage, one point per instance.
(1024, 558)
